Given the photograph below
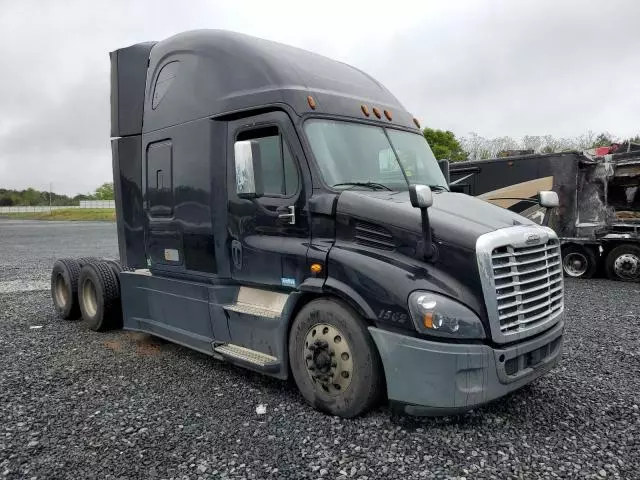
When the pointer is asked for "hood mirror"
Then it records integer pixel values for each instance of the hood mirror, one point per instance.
(421, 196)
(248, 169)
(548, 199)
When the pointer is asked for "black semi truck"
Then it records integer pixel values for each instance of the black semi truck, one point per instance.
(598, 220)
(282, 211)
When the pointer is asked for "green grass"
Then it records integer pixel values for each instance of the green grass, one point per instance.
(71, 214)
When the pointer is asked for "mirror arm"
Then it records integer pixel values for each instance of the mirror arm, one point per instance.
(426, 230)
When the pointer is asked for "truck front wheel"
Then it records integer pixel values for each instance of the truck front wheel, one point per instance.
(579, 261)
(623, 263)
(334, 360)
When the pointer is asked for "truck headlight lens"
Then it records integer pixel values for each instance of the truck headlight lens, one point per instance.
(438, 315)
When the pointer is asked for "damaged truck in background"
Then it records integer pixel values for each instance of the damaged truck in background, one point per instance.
(598, 220)
(283, 212)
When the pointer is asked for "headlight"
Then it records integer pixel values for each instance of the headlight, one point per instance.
(435, 314)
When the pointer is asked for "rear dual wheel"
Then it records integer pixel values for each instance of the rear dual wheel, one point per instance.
(623, 263)
(333, 359)
(99, 296)
(64, 288)
(579, 261)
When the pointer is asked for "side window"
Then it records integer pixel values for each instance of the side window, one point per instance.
(279, 172)
(165, 77)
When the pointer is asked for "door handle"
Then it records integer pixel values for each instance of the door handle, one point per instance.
(291, 216)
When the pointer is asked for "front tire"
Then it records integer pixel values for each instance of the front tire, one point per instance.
(99, 296)
(333, 359)
(623, 263)
(579, 261)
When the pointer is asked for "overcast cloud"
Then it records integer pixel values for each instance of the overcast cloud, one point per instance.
(526, 67)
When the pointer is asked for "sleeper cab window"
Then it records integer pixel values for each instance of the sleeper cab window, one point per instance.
(279, 173)
(163, 82)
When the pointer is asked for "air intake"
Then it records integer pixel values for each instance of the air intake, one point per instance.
(374, 236)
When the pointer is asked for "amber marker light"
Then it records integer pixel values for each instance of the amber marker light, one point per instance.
(365, 110)
(415, 120)
(427, 320)
(376, 112)
(312, 102)
(387, 114)
(316, 268)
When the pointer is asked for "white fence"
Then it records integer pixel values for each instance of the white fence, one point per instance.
(83, 204)
(97, 204)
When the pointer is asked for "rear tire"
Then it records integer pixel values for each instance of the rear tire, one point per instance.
(579, 261)
(623, 263)
(342, 373)
(115, 266)
(99, 296)
(84, 260)
(64, 288)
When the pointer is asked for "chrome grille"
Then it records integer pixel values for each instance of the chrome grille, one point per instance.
(528, 283)
(521, 274)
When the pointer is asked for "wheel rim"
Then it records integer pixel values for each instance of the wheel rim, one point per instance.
(575, 264)
(328, 359)
(627, 266)
(89, 298)
(61, 292)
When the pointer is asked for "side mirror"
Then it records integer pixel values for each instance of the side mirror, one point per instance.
(420, 196)
(248, 169)
(444, 166)
(548, 199)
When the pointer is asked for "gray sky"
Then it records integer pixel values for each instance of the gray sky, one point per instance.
(493, 67)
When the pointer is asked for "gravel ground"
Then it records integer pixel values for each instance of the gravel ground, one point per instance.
(78, 404)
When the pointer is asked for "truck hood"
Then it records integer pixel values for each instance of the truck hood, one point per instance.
(455, 218)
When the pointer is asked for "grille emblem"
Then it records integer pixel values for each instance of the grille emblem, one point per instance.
(532, 238)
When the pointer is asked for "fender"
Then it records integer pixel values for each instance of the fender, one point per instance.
(344, 291)
(378, 283)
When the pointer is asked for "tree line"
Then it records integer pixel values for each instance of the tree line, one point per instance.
(33, 197)
(445, 144)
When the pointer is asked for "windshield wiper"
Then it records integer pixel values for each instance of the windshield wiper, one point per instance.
(371, 185)
(438, 187)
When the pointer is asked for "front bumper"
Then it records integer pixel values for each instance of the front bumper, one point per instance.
(436, 378)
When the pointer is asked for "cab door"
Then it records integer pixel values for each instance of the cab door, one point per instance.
(269, 235)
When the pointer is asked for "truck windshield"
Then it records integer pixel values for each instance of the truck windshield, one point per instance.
(356, 155)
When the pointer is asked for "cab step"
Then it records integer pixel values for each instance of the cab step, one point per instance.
(258, 302)
(253, 358)
(249, 309)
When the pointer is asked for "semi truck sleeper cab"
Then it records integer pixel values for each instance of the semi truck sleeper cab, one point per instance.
(283, 212)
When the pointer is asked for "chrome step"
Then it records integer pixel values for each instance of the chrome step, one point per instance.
(258, 302)
(251, 310)
(252, 357)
